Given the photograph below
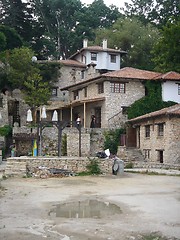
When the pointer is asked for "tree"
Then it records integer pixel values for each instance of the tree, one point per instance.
(16, 14)
(35, 80)
(12, 38)
(132, 36)
(158, 12)
(167, 51)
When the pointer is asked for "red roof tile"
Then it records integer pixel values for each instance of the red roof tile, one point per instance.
(132, 73)
(173, 110)
(70, 62)
(169, 76)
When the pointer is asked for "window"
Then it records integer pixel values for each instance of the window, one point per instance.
(82, 74)
(100, 88)
(94, 56)
(1, 102)
(85, 92)
(161, 129)
(76, 95)
(146, 153)
(147, 131)
(113, 58)
(117, 87)
(54, 92)
(178, 89)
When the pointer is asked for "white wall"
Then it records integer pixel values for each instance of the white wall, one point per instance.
(170, 91)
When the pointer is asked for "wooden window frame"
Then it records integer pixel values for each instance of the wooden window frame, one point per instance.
(161, 129)
(117, 87)
(100, 87)
(113, 58)
(93, 56)
(147, 131)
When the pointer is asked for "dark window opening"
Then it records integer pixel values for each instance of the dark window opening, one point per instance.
(76, 95)
(160, 129)
(82, 74)
(113, 58)
(85, 92)
(54, 92)
(100, 88)
(160, 156)
(147, 131)
(1, 102)
(93, 56)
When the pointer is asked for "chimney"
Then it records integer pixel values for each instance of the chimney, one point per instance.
(104, 43)
(85, 43)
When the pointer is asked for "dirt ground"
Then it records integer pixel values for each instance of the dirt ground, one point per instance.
(149, 206)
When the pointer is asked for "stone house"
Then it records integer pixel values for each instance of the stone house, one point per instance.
(107, 96)
(157, 135)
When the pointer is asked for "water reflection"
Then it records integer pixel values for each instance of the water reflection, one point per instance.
(85, 209)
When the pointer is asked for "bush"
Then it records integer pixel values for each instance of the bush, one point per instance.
(112, 139)
(93, 167)
(5, 131)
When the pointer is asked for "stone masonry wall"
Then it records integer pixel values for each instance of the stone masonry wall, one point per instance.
(19, 166)
(169, 142)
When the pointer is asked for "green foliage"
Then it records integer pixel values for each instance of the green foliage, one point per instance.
(12, 38)
(129, 165)
(158, 12)
(130, 35)
(112, 139)
(167, 51)
(5, 131)
(150, 103)
(93, 167)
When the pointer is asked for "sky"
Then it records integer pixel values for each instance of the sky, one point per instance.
(118, 3)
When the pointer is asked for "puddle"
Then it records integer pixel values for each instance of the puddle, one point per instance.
(85, 209)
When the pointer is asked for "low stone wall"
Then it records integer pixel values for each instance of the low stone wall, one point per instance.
(20, 165)
(156, 165)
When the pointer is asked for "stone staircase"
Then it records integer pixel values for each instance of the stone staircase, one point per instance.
(15, 167)
(130, 154)
(117, 121)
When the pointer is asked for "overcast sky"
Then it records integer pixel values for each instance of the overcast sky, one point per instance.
(118, 3)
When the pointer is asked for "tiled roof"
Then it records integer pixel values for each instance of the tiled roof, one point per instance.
(169, 76)
(132, 73)
(98, 49)
(169, 111)
(70, 62)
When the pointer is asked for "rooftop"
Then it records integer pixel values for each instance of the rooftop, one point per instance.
(169, 111)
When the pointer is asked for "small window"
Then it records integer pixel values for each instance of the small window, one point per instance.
(82, 74)
(113, 58)
(160, 156)
(146, 153)
(147, 131)
(100, 88)
(1, 102)
(161, 129)
(85, 92)
(76, 95)
(117, 87)
(178, 89)
(93, 56)
(54, 92)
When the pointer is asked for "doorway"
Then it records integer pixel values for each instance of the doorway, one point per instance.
(98, 117)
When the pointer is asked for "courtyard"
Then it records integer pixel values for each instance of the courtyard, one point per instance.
(131, 206)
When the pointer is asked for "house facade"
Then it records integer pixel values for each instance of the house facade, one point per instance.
(158, 135)
(107, 97)
(170, 83)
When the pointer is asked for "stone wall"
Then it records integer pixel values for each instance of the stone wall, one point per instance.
(168, 142)
(19, 165)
